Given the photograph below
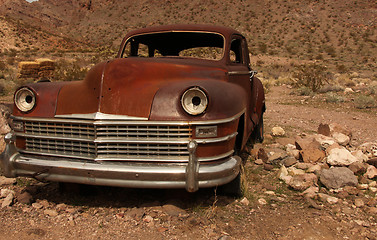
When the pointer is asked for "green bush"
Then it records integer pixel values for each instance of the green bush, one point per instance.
(313, 76)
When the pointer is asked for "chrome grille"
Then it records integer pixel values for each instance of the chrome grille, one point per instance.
(73, 130)
(108, 141)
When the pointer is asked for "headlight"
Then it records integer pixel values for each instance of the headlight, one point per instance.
(194, 101)
(24, 99)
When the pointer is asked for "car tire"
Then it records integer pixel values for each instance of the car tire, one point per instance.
(235, 187)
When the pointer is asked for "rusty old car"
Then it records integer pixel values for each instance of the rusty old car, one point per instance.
(174, 109)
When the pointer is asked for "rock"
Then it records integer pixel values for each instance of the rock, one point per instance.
(5, 192)
(372, 211)
(245, 201)
(7, 181)
(312, 155)
(259, 161)
(333, 146)
(337, 128)
(302, 182)
(282, 173)
(314, 169)
(324, 129)
(268, 167)
(363, 186)
(341, 138)
(359, 202)
(25, 198)
(173, 210)
(262, 201)
(337, 177)
(136, 213)
(277, 157)
(303, 166)
(284, 141)
(358, 167)
(311, 192)
(371, 172)
(37, 205)
(61, 207)
(8, 200)
(307, 143)
(324, 141)
(373, 184)
(289, 161)
(348, 90)
(369, 148)
(277, 131)
(294, 171)
(262, 154)
(50, 212)
(327, 198)
(340, 157)
(351, 190)
(360, 156)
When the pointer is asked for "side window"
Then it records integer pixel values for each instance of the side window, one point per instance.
(236, 51)
(135, 49)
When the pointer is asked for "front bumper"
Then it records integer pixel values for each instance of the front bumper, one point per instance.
(120, 174)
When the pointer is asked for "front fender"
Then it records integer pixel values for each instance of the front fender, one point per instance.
(224, 100)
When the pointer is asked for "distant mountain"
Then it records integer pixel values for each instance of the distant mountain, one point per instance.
(340, 31)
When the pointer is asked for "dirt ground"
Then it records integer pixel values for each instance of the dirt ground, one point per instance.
(269, 211)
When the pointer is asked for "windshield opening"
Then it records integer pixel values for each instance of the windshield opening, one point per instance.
(202, 45)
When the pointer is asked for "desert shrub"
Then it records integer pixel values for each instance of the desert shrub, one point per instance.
(333, 98)
(2, 66)
(2, 88)
(364, 101)
(69, 71)
(304, 91)
(312, 75)
(331, 88)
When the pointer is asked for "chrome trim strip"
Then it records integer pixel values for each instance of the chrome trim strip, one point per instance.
(252, 73)
(125, 140)
(117, 122)
(100, 116)
(100, 159)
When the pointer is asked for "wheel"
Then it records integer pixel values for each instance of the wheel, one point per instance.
(258, 131)
(234, 188)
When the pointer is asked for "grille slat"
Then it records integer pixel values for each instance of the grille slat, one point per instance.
(80, 141)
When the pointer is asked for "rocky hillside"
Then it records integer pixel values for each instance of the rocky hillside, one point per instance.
(340, 31)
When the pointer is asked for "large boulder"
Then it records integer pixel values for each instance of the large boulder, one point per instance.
(337, 177)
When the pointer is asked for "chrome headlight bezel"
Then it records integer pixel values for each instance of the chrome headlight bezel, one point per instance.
(194, 101)
(25, 99)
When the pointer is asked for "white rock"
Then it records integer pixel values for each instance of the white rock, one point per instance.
(311, 192)
(277, 131)
(363, 186)
(371, 172)
(245, 201)
(269, 192)
(324, 140)
(360, 155)
(348, 90)
(332, 200)
(373, 189)
(341, 138)
(5, 192)
(283, 172)
(373, 184)
(262, 201)
(8, 200)
(258, 161)
(340, 157)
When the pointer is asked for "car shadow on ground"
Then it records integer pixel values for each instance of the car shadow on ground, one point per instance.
(116, 197)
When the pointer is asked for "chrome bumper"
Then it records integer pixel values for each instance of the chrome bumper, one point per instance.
(126, 174)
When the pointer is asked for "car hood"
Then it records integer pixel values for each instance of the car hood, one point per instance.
(127, 86)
